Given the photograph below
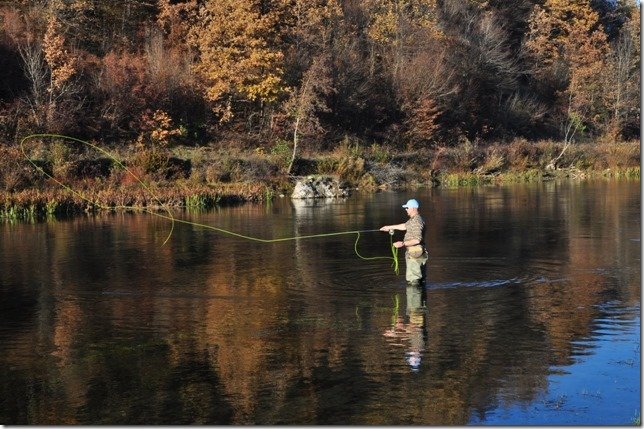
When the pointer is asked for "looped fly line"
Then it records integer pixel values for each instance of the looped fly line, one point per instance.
(173, 220)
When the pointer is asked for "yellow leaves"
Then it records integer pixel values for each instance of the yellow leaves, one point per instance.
(568, 33)
(593, 80)
(61, 63)
(311, 20)
(393, 18)
(633, 27)
(320, 11)
(240, 45)
(383, 28)
(237, 54)
(560, 28)
(268, 88)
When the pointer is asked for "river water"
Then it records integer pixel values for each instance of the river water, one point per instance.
(532, 316)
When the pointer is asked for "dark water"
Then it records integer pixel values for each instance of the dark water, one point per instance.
(533, 314)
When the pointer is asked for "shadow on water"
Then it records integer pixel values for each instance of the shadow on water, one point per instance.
(530, 316)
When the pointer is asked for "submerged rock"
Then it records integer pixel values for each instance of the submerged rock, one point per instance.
(319, 187)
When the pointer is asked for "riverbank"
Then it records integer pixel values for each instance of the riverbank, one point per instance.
(74, 179)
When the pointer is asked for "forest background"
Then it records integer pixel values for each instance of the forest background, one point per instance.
(203, 100)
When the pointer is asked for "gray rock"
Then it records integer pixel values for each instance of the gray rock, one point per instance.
(319, 187)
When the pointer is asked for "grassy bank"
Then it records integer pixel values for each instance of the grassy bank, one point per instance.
(74, 179)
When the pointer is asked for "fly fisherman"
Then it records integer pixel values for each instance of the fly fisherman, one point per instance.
(414, 244)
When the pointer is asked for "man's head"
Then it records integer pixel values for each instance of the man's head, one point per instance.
(412, 207)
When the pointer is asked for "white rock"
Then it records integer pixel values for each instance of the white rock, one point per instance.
(318, 187)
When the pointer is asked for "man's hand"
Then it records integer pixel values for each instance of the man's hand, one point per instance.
(399, 244)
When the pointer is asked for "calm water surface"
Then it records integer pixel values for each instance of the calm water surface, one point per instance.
(533, 314)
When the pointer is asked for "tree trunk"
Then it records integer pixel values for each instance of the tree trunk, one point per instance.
(295, 139)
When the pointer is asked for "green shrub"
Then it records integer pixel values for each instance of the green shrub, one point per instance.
(153, 160)
(351, 168)
(282, 149)
(327, 165)
(380, 154)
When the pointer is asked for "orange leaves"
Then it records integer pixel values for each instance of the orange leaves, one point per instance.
(422, 122)
(61, 63)
(569, 31)
(567, 37)
(157, 128)
(481, 63)
(175, 19)
(122, 81)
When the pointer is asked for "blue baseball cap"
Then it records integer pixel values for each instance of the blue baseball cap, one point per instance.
(411, 204)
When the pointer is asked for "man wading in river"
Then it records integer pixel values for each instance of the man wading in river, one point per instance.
(414, 244)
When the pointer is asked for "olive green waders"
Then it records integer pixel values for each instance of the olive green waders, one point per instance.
(416, 268)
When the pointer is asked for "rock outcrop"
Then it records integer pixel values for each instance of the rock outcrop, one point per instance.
(319, 187)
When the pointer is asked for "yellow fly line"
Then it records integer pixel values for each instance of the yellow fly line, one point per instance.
(173, 220)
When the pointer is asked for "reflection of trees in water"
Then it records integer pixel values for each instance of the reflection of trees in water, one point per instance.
(257, 343)
(473, 358)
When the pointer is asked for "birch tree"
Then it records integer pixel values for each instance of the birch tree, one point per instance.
(50, 67)
(308, 101)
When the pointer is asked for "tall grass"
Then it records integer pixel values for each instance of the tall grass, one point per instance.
(214, 177)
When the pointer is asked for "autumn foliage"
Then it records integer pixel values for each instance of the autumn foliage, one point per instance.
(407, 73)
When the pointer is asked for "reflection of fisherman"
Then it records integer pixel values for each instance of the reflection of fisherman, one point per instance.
(416, 313)
(414, 242)
(414, 333)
